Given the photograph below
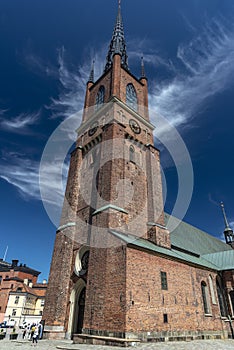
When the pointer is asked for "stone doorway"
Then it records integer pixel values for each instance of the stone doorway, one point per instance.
(81, 309)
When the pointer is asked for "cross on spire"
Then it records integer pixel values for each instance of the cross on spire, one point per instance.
(117, 44)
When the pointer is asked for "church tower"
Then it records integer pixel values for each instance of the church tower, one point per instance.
(113, 190)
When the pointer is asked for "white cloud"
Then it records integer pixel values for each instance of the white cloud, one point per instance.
(73, 83)
(23, 174)
(208, 70)
(20, 123)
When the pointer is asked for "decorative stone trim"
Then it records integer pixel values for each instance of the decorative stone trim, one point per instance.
(108, 207)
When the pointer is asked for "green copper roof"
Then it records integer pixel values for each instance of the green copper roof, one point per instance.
(198, 247)
(224, 260)
(170, 253)
(192, 239)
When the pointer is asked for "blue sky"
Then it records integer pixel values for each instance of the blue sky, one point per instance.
(46, 52)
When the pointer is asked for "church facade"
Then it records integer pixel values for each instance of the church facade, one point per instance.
(116, 270)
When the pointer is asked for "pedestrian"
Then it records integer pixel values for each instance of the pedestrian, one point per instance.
(40, 330)
(35, 336)
(32, 331)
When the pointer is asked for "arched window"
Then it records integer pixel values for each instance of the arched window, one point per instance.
(131, 154)
(131, 97)
(212, 290)
(222, 303)
(100, 97)
(232, 300)
(205, 297)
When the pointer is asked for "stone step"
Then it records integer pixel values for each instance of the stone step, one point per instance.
(102, 340)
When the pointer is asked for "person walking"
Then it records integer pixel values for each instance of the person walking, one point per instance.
(35, 336)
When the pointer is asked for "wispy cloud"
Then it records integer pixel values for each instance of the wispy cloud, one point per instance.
(20, 123)
(207, 69)
(23, 174)
(39, 66)
(73, 81)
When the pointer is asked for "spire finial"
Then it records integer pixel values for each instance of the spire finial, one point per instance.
(227, 227)
(142, 67)
(117, 45)
(91, 76)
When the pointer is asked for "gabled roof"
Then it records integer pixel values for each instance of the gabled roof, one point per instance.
(40, 292)
(189, 244)
(141, 243)
(192, 239)
(224, 259)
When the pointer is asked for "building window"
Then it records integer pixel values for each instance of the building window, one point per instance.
(205, 298)
(16, 299)
(213, 298)
(100, 97)
(13, 312)
(164, 280)
(19, 289)
(221, 299)
(42, 302)
(131, 97)
(131, 154)
(232, 300)
(165, 318)
(0, 279)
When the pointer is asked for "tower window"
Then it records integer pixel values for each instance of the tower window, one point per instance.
(131, 154)
(205, 298)
(131, 97)
(100, 97)
(164, 280)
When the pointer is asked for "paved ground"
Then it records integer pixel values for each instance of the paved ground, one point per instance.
(53, 345)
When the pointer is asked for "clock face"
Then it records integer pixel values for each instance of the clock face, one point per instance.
(135, 126)
(93, 129)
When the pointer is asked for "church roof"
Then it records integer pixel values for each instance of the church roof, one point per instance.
(192, 239)
(189, 245)
(142, 243)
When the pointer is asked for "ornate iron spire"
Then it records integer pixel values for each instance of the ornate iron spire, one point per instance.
(117, 44)
(142, 67)
(227, 227)
(228, 232)
(91, 76)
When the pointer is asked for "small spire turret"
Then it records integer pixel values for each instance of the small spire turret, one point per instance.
(117, 44)
(91, 76)
(228, 232)
(142, 68)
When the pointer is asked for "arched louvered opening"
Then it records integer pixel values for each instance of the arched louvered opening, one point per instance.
(131, 97)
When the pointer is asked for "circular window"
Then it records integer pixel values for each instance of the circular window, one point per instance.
(82, 261)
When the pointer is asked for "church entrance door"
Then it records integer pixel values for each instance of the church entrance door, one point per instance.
(81, 308)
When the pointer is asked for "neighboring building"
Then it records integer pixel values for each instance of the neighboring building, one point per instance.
(26, 303)
(11, 274)
(116, 270)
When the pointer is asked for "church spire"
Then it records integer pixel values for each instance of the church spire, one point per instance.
(91, 75)
(117, 44)
(228, 232)
(142, 67)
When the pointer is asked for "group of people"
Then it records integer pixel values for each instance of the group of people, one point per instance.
(33, 332)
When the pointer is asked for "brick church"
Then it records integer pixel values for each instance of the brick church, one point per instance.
(116, 271)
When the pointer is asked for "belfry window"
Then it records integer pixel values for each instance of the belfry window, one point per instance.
(100, 97)
(131, 97)
(205, 298)
(131, 154)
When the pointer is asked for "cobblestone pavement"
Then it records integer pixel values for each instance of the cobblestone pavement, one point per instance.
(53, 345)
